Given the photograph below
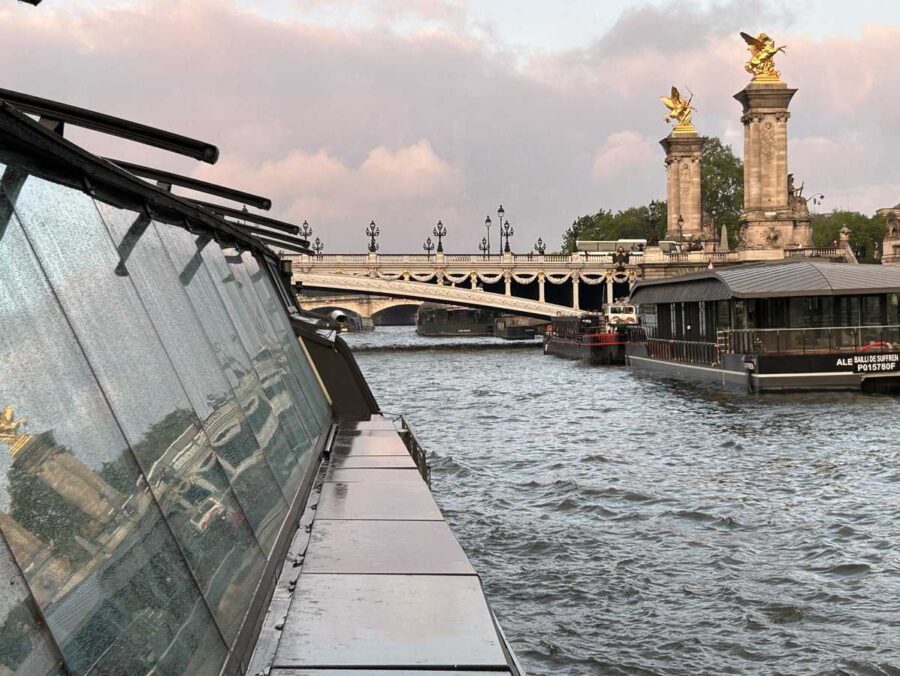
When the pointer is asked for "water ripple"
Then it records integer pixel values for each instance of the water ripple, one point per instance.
(628, 525)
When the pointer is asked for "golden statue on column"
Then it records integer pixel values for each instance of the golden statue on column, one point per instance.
(680, 110)
(10, 432)
(762, 57)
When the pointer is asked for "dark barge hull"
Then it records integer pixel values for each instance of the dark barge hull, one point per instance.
(455, 329)
(610, 354)
(518, 333)
(782, 373)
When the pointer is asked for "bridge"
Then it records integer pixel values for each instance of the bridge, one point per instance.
(535, 285)
(387, 310)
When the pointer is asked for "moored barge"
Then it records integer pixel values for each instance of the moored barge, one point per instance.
(796, 325)
(436, 320)
(588, 337)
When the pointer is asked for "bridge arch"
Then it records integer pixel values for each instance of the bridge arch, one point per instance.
(421, 291)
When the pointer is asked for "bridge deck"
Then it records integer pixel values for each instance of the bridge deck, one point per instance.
(382, 584)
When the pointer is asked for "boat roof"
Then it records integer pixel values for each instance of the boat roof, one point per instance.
(771, 280)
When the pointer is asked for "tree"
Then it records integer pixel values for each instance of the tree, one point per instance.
(866, 232)
(633, 223)
(722, 197)
(721, 187)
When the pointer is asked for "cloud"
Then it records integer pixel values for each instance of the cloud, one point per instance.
(623, 153)
(342, 124)
(320, 188)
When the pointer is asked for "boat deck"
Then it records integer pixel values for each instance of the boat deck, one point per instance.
(375, 580)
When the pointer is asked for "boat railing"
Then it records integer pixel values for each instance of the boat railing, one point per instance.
(825, 340)
(688, 351)
(418, 453)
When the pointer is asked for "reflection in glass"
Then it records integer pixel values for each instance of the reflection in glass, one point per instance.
(211, 519)
(76, 513)
(299, 365)
(25, 644)
(271, 365)
(183, 250)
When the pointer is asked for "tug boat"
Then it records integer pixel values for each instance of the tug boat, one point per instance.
(597, 338)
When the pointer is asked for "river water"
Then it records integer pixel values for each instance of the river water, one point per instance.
(627, 524)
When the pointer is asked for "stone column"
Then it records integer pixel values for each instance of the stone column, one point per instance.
(575, 291)
(474, 280)
(770, 217)
(683, 183)
(609, 288)
(507, 280)
(541, 296)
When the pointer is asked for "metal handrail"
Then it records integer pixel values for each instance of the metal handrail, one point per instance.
(114, 126)
(416, 451)
(688, 351)
(191, 183)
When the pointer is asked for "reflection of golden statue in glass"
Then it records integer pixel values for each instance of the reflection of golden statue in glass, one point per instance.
(680, 110)
(9, 430)
(762, 60)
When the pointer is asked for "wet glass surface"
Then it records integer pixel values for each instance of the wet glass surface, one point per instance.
(301, 369)
(143, 390)
(284, 438)
(77, 514)
(237, 367)
(25, 644)
(210, 521)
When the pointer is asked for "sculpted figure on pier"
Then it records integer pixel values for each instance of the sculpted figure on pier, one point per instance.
(762, 57)
(680, 110)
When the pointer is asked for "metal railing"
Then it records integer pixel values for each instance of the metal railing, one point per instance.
(418, 454)
(812, 340)
(688, 351)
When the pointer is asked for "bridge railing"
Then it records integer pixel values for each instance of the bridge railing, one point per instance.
(831, 252)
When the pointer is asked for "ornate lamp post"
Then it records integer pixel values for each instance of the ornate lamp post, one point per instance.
(540, 247)
(500, 213)
(506, 232)
(487, 224)
(484, 247)
(372, 232)
(440, 231)
(305, 230)
(680, 228)
(318, 247)
(429, 247)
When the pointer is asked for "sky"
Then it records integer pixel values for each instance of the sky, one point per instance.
(409, 111)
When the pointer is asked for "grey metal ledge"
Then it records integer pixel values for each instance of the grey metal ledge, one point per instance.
(377, 582)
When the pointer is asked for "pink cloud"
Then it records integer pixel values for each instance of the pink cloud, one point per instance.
(343, 125)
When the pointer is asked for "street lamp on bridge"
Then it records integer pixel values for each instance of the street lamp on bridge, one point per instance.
(487, 224)
(372, 232)
(440, 231)
(305, 230)
(506, 232)
(318, 247)
(429, 247)
(484, 247)
(540, 247)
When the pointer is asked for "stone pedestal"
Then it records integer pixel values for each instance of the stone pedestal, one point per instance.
(772, 216)
(683, 149)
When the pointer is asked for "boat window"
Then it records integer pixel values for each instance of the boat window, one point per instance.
(893, 311)
(872, 310)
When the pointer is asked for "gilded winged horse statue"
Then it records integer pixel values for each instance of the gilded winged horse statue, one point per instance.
(762, 57)
(680, 110)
